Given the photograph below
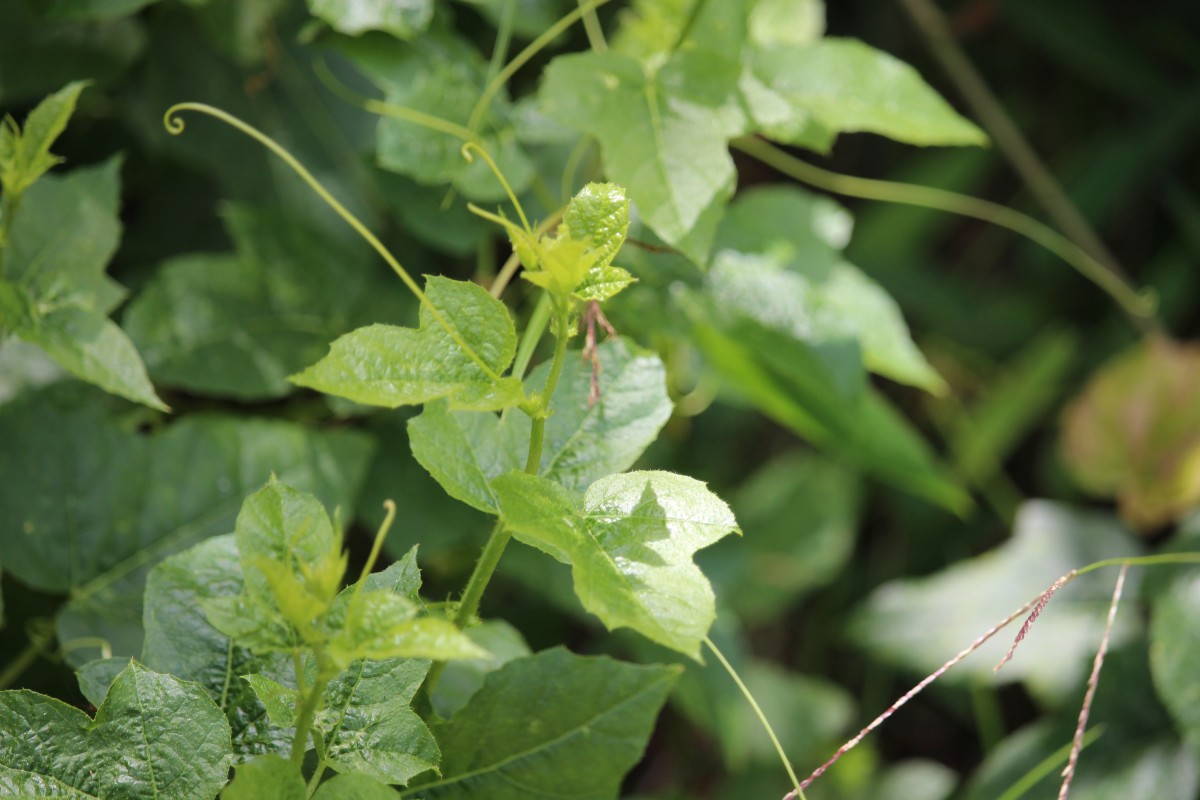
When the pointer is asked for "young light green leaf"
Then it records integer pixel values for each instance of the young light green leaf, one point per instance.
(849, 86)
(57, 270)
(465, 341)
(91, 347)
(278, 700)
(25, 154)
(180, 641)
(630, 546)
(153, 736)
(268, 777)
(382, 624)
(599, 213)
(595, 716)
(368, 723)
(584, 441)
(662, 133)
(404, 20)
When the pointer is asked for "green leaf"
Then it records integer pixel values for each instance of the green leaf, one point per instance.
(278, 700)
(354, 786)
(849, 86)
(803, 512)
(599, 213)
(268, 777)
(55, 269)
(914, 623)
(382, 624)
(662, 133)
(1175, 651)
(1127, 434)
(237, 325)
(465, 341)
(748, 335)
(462, 679)
(441, 76)
(91, 506)
(154, 736)
(404, 19)
(369, 726)
(90, 346)
(803, 232)
(630, 545)
(583, 441)
(25, 154)
(595, 716)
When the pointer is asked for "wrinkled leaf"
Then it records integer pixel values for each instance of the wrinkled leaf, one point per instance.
(465, 341)
(594, 718)
(369, 726)
(630, 545)
(154, 736)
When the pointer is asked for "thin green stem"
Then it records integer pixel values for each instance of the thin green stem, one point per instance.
(1142, 561)
(1046, 766)
(578, 152)
(470, 147)
(532, 334)
(175, 126)
(591, 26)
(503, 38)
(38, 642)
(762, 718)
(689, 23)
(536, 46)
(377, 545)
(304, 721)
(1139, 307)
(322, 761)
(931, 22)
(537, 431)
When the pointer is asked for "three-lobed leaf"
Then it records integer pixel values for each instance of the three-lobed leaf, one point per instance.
(630, 544)
(465, 342)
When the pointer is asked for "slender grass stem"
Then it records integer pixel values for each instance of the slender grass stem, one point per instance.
(591, 26)
(1138, 306)
(798, 791)
(932, 24)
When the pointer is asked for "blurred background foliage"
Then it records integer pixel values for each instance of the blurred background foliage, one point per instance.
(845, 589)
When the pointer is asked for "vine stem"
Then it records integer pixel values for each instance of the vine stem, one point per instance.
(591, 25)
(798, 792)
(489, 559)
(308, 712)
(522, 58)
(175, 126)
(36, 646)
(932, 24)
(1139, 307)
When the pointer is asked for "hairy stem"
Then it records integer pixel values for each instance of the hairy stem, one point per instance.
(1139, 307)
(798, 791)
(308, 709)
(931, 22)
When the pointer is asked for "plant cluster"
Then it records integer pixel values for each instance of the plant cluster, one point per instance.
(184, 489)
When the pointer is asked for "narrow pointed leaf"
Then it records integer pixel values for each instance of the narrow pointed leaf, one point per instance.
(25, 157)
